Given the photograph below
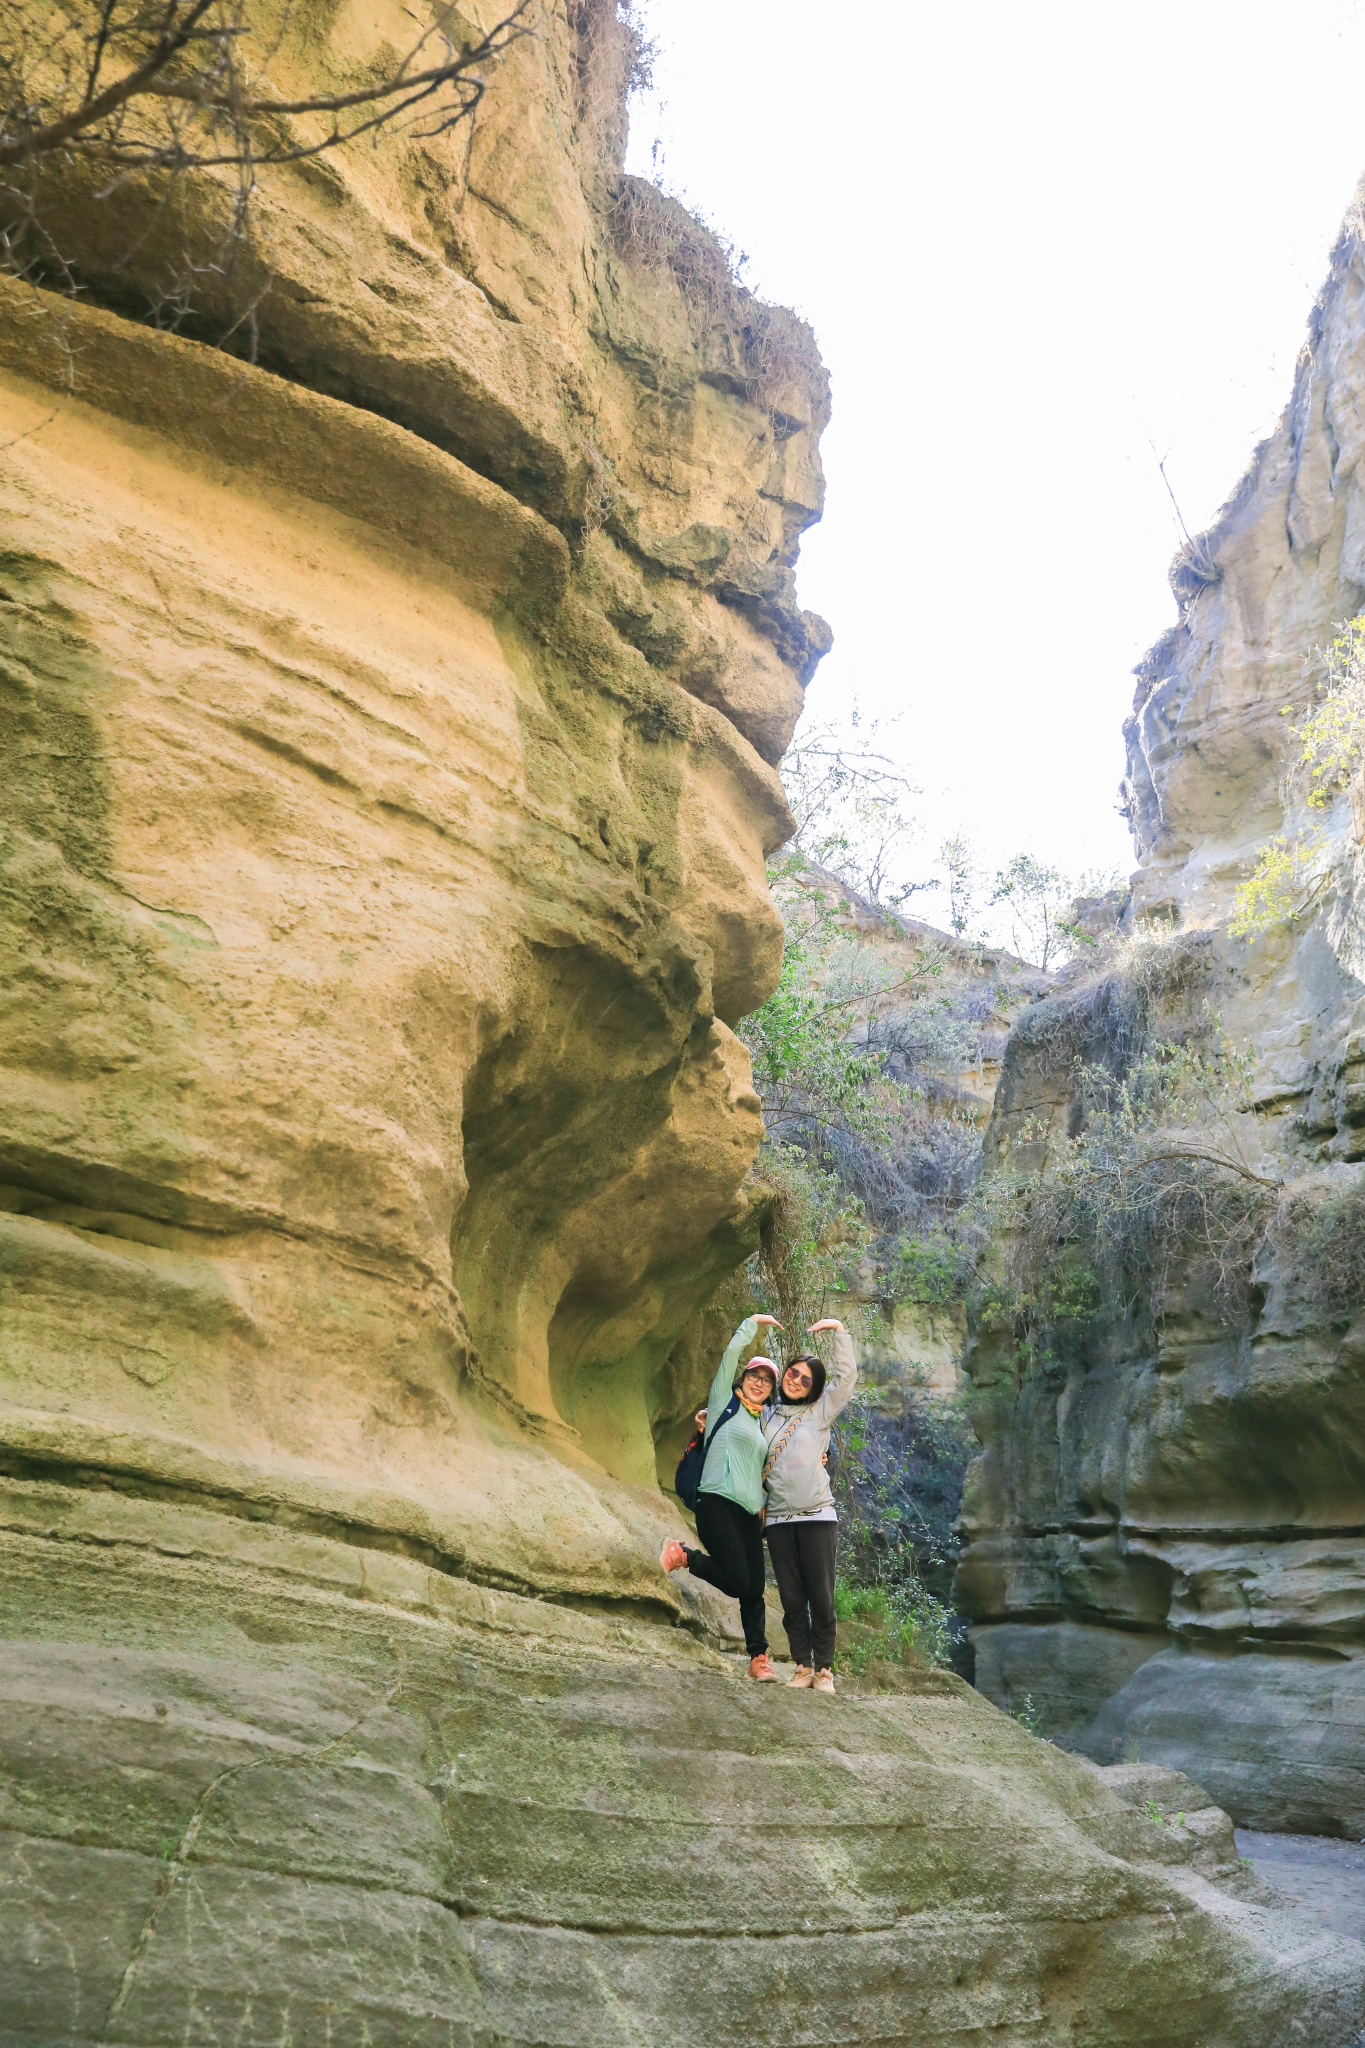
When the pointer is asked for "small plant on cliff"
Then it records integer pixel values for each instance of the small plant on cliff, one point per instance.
(1156, 1175)
(1332, 736)
(1322, 1244)
(1030, 1717)
(1287, 877)
(615, 58)
(1290, 871)
(655, 231)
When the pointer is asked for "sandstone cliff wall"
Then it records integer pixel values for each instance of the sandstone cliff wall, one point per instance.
(395, 797)
(389, 772)
(1167, 1529)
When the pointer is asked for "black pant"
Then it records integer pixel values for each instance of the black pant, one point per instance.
(803, 1565)
(734, 1539)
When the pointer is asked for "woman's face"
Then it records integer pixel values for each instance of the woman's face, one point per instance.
(797, 1382)
(756, 1387)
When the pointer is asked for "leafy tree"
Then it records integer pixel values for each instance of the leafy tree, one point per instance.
(964, 882)
(811, 1073)
(1036, 898)
(864, 1151)
(848, 799)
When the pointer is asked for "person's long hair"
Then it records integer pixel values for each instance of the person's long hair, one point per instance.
(817, 1379)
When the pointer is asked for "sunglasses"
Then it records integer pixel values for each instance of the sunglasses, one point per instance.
(802, 1374)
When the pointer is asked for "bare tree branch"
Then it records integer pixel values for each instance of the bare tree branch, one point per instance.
(42, 140)
(213, 91)
(193, 99)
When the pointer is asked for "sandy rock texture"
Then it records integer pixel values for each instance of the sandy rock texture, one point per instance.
(252, 1795)
(1166, 1534)
(385, 823)
(390, 729)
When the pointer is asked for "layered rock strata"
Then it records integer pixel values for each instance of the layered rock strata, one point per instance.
(283, 1790)
(386, 819)
(391, 724)
(1167, 1529)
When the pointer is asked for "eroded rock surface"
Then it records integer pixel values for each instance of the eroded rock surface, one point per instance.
(1167, 1530)
(388, 779)
(388, 1807)
(386, 817)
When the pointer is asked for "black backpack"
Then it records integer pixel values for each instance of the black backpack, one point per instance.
(687, 1478)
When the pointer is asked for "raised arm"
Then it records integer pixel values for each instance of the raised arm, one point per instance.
(722, 1385)
(725, 1371)
(842, 1375)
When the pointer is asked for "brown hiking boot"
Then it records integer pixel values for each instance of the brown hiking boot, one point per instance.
(761, 1666)
(803, 1675)
(823, 1681)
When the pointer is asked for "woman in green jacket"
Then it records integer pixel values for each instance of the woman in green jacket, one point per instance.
(730, 1496)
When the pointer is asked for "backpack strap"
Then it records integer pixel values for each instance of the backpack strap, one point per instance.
(780, 1442)
(731, 1408)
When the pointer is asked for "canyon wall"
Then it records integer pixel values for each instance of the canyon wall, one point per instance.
(398, 818)
(1166, 1531)
(392, 700)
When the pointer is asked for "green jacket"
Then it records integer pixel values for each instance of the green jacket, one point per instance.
(734, 1463)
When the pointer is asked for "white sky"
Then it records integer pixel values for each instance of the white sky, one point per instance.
(1033, 241)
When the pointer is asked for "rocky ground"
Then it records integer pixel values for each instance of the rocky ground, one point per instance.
(382, 844)
(297, 1791)
(1326, 1876)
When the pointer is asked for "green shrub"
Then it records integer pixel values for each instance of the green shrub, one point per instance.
(1323, 1245)
(1332, 735)
(804, 1237)
(895, 1621)
(869, 1603)
(1289, 874)
(897, 1466)
(932, 1271)
(1152, 1183)
(1284, 882)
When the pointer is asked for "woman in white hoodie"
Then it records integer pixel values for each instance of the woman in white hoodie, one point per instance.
(801, 1522)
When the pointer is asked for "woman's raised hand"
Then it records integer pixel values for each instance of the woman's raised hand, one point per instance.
(768, 1322)
(829, 1323)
